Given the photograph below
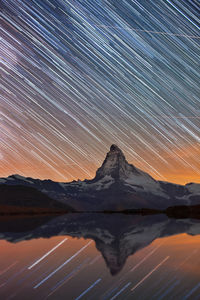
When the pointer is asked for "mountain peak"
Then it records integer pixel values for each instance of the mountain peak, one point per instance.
(115, 165)
(115, 148)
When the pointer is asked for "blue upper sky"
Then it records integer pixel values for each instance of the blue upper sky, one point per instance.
(77, 76)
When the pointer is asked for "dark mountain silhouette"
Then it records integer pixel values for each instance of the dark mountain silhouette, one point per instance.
(22, 199)
(117, 186)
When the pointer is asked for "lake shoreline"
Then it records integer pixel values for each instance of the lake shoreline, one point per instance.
(178, 212)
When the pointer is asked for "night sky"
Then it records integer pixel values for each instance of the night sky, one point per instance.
(78, 76)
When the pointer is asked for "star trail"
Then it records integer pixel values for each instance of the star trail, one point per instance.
(78, 76)
(171, 273)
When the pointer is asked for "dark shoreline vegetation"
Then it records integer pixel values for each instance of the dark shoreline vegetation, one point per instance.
(177, 212)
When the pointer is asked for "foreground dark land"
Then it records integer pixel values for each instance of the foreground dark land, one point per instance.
(16, 200)
(22, 200)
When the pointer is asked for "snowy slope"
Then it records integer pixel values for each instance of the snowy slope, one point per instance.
(117, 185)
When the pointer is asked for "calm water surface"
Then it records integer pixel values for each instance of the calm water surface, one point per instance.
(140, 258)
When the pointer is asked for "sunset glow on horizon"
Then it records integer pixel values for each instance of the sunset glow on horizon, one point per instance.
(67, 173)
(177, 172)
(76, 77)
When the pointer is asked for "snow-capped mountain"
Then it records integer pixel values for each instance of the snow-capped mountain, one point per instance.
(117, 185)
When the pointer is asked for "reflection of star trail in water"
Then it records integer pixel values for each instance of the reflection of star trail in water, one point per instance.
(160, 277)
(45, 255)
(61, 266)
(150, 273)
(156, 258)
(77, 76)
(88, 289)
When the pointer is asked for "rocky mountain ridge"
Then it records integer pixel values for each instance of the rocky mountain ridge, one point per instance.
(117, 185)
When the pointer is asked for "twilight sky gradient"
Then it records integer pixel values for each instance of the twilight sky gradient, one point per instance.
(79, 75)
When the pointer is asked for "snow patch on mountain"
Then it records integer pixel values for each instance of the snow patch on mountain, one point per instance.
(193, 188)
(2, 180)
(145, 183)
(116, 166)
(117, 184)
(103, 183)
(20, 178)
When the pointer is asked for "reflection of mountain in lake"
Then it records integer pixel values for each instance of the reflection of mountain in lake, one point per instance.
(116, 236)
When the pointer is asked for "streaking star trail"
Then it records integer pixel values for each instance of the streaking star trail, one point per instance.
(77, 76)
